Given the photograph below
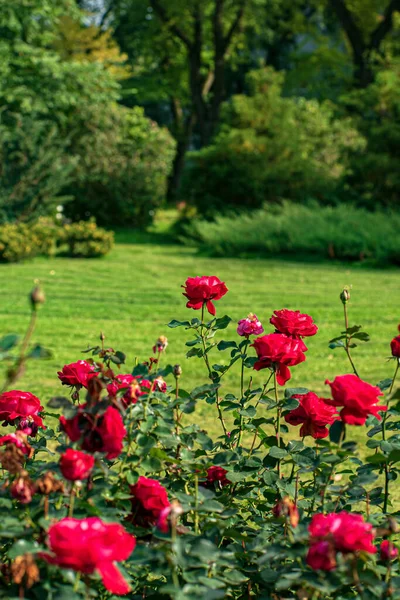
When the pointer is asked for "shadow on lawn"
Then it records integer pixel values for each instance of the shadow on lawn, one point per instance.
(135, 236)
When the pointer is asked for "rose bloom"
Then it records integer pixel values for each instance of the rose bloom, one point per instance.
(17, 405)
(149, 503)
(388, 551)
(395, 346)
(250, 326)
(278, 351)
(76, 465)
(358, 398)
(78, 374)
(19, 440)
(202, 291)
(128, 383)
(88, 546)
(342, 532)
(97, 433)
(217, 475)
(294, 324)
(159, 385)
(313, 413)
(288, 509)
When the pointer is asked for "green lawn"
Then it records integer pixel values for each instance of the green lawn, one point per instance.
(135, 291)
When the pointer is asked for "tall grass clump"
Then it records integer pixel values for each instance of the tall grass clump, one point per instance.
(341, 232)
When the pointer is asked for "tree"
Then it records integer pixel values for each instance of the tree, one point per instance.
(367, 41)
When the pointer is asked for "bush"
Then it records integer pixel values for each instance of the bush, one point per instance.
(129, 495)
(19, 241)
(86, 240)
(342, 232)
(121, 176)
(374, 179)
(269, 148)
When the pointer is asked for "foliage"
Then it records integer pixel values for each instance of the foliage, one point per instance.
(242, 531)
(86, 240)
(35, 168)
(271, 147)
(342, 232)
(374, 179)
(20, 241)
(121, 177)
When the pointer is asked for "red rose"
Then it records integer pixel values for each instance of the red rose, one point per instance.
(159, 385)
(321, 556)
(128, 383)
(294, 324)
(278, 351)
(19, 440)
(388, 551)
(98, 433)
(78, 373)
(20, 405)
(395, 346)
(149, 503)
(76, 465)
(90, 545)
(341, 532)
(314, 414)
(201, 291)
(217, 474)
(250, 326)
(358, 398)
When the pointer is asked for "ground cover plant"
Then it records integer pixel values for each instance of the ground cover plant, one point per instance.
(127, 477)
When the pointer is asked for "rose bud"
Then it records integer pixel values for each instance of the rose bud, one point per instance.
(388, 551)
(288, 509)
(37, 297)
(345, 296)
(395, 346)
(28, 426)
(76, 465)
(177, 371)
(217, 475)
(22, 488)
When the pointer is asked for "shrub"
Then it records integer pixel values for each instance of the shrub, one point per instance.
(121, 177)
(259, 512)
(17, 242)
(269, 148)
(86, 240)
(374, 179)
(342, 232)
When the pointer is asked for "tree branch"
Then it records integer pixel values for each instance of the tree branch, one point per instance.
(235, 24)
(353, 32)
(385, 25)
(162, 13)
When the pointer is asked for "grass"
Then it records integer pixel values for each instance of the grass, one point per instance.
(135, 291)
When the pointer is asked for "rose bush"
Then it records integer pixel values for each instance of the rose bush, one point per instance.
(116, 488)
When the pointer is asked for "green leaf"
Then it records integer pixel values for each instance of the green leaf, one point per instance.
(174, 323)
(22, 547)
(118, 358)
(277, 452)
(222, 345)
(352, 330)
(337, 431)
(38, 352)
(222, 322)
(8, 342)
(337, 344)
(377, 458)
(194, 352)
(394, 456)
(384, 384)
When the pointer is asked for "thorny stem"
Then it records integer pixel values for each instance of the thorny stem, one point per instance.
(386, 467)
(278, 422)
(196, 504)
(347, 349)
(331, 471)
(257, 403)
(244, 356)
(14, 373)
(221, 418)
(71, 501)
